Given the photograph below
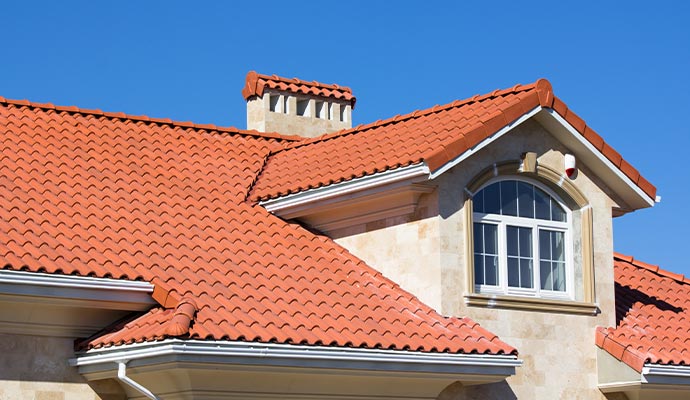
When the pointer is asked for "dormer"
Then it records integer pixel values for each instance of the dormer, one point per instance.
(296, 107)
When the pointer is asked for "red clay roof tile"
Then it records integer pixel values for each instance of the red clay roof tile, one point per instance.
(255, 84)
(108, 195)
(653, 322)
(435, 135)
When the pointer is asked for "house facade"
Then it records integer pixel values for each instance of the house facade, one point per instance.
(459, 252)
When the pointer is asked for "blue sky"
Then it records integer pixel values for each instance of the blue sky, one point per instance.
(623, 67)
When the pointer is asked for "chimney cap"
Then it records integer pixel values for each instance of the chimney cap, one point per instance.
(255, 84)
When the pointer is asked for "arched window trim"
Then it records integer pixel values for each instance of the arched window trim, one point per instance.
(576, 202)
(535, 225)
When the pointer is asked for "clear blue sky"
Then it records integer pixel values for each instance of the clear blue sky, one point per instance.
(623, 67)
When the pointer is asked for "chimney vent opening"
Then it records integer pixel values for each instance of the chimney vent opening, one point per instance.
(303, 107)
(274, 101)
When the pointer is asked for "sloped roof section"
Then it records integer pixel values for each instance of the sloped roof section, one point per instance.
(652, 313)
(433, 136)
(255, 84)
(109, 195)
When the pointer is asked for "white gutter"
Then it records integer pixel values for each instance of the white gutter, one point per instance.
(109, 293)
(665, 374)
(271, 354)
(122, 376)
(408, 174)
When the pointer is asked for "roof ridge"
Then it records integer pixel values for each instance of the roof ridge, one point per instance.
(653, 268)
(144, 118)
(422, 112)
(296, 80)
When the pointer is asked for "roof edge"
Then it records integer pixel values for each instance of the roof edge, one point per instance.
(499, 366)
(651, 267)
(625, 354)
(144, 118)
(297, 200)
(98, 293)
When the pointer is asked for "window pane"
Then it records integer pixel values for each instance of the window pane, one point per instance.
(509, 198)
(557, 212)
(490, 239)
(542, 204)
(545, 272)
(557, 246)
(544, 245)
(478, 238)
(491, 270)
(478, 269)
(492, 199)
(513, 272)
(559, 276)
(525, 236)
(512, 240)
(525, 200)
(478, 202)
(526, 273)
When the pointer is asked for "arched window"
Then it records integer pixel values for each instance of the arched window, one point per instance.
(522, 240)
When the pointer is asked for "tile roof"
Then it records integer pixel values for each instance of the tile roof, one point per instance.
(110, 195)
(255, 84)
(652, 314)
(434, 136)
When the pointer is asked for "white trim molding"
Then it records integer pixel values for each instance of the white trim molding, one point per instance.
(64, 305)
(373, 197)
(103, 293)
(295, 201)
(596, 161)
(150, 362)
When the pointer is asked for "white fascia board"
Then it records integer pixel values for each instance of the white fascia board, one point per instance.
(82, 291)
(409, 174)
(462, 157)
(283, 355)
(586, 143)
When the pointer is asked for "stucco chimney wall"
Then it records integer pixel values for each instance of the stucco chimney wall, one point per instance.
(295, 107)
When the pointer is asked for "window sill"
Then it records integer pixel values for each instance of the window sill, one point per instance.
(531, 304)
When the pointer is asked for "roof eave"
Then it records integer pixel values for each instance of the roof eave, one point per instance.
(338, 195)
(66, 306)
(471, 368)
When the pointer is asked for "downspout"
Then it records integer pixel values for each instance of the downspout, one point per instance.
(122, 376)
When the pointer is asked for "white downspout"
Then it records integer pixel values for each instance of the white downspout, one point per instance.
(122, 376)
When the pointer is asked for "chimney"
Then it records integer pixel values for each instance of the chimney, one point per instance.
(296, 107)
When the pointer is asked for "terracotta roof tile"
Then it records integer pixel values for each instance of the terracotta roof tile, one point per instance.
(434, 135)
(255, 84)
(653, 321)
(109, 195)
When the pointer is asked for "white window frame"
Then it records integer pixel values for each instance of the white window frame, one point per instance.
(502, 221)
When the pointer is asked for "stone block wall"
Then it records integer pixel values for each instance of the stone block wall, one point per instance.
(37, 368)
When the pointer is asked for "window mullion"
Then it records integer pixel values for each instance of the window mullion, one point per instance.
(503, 256)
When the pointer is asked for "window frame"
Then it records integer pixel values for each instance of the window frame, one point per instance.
(585, 295)
(536, 225)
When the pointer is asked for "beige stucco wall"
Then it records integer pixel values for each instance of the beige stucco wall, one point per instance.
(36, 367)
(424, 253)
